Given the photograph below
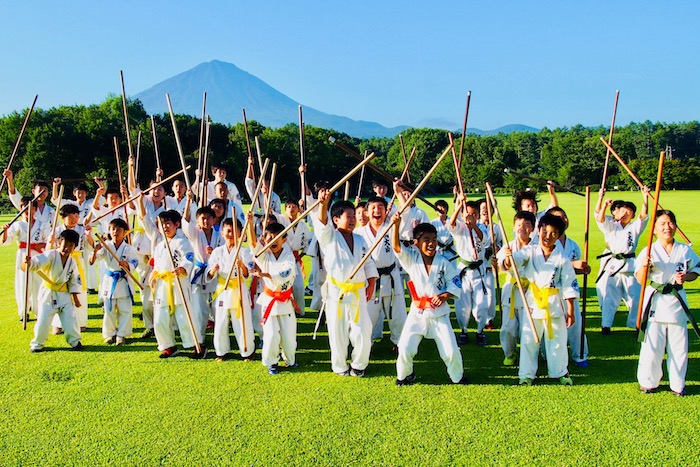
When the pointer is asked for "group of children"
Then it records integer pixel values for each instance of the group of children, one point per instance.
(193, 273)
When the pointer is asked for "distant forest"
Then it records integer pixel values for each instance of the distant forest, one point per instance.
(76, 142)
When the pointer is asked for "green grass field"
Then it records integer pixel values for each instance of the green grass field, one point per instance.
(124, 406)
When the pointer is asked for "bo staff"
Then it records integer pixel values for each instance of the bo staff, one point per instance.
(638, 182)
(464, 130)
(270, 190)
(201, 130)
(27, 272)
(240, 286)
(362, 178)
(302, 156)
(346, 195)
(22, 211)
(489, 212)
(584, 292)
(19, 139)
(247, 140)
(405, 173)
(133, 198)
(138, 155)
(539, 180)
(246, 224)
(381, 172)
(514, 268)
(652, 220)
(55, 217)
(204, 183)
(405, 160)
(303, 215)
(405, 205)
(177, 140)
(155, 143)
(126, 115)
(179, 286)
(116, 258)
(610, 136)
(258, 151)
(461, 191)
(121, 180)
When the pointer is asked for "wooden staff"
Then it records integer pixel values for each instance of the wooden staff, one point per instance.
(245, 225)
(406, 205)
(543, 182)
(126, 115)
(268, 201)
(489, 212)
(258, 151)
(362, 177)
(19, 214)
(405, 159)
(303, 215)
(461, 192)
(177, 141)
(346, 195)
(514, 268)
(116, 258)
(464, 130)
(204, 172)
(610, 136)
(155, 144)
(179, 286)
(403, 175)
(19, 139)
(240, 285)
(133, 198)
(247, 140)
(27, 272)
(201, 131)
(302, 156)
(584, 292)
(639, 182)
(138, 155)
(121, 182)
(652, 220)
(55, 217)
(379, 171)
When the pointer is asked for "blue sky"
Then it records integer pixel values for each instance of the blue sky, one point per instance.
(545, 63)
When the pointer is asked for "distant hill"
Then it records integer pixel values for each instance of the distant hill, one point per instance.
(230, 89)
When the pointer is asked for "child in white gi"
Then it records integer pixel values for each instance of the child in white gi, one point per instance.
(59, 291)
(445, 241)
(43, 213)
(168, 304)
(277, 268)
(346, 300)
(523, 225)
(232, 303)
(666, 314)
(116, 289)
(528, 201)
(470, 244)
(552, 282)
(389, 293)
(298, 240)
(484, 223)
(616, 282)
(433, 280)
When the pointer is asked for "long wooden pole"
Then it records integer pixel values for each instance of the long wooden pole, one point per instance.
(177, 141)
(19, 139)
(126, 115)
(302, 156)
(204, 171)
(514, 268)
(539, 180)
(270, 190)
(179, 287)
(27, 272)
(19, 214)
(55, 217)
(405, 159)
(121, 180)
(638, 182)
(492, 234)
(379, 171)
(201, 131)
(362, 178)
(650, 241)
(138, 156)
(116, 258)
(247, 140)
(303, 215)
(406, 205)
(240, 285)
(584, 292)
(461, 191)
(464, 130)
(155, 144)
(610, 137)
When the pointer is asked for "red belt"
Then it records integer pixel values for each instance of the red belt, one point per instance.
(278, 297)
(421, 302)
(32, 246)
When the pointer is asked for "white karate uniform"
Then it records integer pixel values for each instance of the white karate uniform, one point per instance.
(554, 273)
(317, 277)
(81, 251)
(389, 298)
(280, 326)
(298, 240)
(52, 301)
(489, 278)
(474, 298)
(233, 193)
(428, 322)
(90, 279)
(617, 282)
(572, 251)
(445, 241)
(513, 308)
(227, 303)
(275, 202)
(411, 217)
(346, 313)
(667, 328)
(117, 291)
(45, 214)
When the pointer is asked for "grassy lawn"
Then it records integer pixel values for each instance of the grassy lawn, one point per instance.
(124, 406)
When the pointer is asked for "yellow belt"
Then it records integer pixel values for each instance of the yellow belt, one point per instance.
(541, 296)
(51, 285)
(349, 287)
(78, 257)
(525, 283)
(167, 277)
(235, 295)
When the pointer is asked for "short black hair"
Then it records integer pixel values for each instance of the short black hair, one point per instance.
(113, 191)
(229, 221)
(521, 195)
(362, 204)
(70, 236)
(666, 212)
(552, 220)
(68, 209)
(25, 200)
(291, 202)
(320, 185)
(81, 187)
(377, 199)
(472, 204)
(222, 183)
(380, 182)
(339, 208)
(526, 216)
(422, 229)
(217, 201)
(170, 215)
(617, 204)
(274, 228)
(41, 183)
(119, 223)
(218, 166)
(204, 210)
(442, 203)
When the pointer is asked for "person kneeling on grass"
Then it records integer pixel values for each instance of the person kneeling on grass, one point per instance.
(433, 280)
(665, 320)
(59, 291)
(552, 282)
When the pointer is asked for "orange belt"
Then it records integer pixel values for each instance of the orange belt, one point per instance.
(421, 302)
(278, 297)
(32, 246)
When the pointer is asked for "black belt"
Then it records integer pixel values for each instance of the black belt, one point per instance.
(386, 272)
(666, 289)
(610, 256)
(470, 266)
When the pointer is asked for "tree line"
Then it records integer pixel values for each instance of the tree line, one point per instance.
(77, 141)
